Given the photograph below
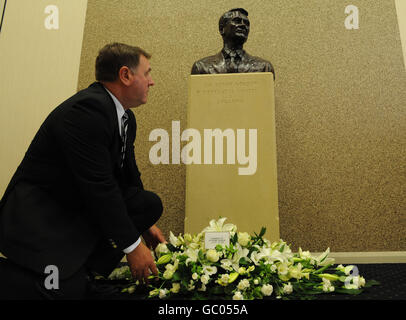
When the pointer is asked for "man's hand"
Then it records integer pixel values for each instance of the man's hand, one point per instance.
(153, 236)
(142, 263)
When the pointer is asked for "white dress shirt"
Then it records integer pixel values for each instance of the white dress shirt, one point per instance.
(120, 112)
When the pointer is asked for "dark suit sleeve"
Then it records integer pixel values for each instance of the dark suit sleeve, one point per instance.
(136, 175)
(85, 134)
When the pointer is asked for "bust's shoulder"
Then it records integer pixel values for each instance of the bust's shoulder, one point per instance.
(260, 63)
(201, 65)
(257, 59)
(210, 59)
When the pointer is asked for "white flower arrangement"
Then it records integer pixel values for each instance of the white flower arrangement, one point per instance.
(249, 268)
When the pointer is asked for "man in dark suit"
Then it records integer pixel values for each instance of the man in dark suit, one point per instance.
(234, 27)
(76, 201)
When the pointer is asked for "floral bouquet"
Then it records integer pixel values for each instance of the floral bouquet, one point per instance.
(250, 267)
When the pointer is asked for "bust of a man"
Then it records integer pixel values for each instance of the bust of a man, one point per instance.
(234, 27)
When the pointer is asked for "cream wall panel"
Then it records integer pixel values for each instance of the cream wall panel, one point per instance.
(38, 70)
(401, 12)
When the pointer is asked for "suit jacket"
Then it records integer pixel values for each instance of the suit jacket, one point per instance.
(68, 192)
(217, 64)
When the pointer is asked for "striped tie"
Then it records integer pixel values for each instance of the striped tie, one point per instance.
(124, 125)
(233, 62)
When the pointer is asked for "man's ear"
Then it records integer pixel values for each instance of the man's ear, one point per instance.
(125, 75)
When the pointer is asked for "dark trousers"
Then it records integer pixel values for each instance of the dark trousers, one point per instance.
(17, 282)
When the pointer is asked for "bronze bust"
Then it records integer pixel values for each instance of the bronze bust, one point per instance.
(234, 27)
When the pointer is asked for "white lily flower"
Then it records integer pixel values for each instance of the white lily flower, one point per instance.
(188, 238)
(226, 264)
(283, 269)
(198, 238)
(161, 248)
(192, 255)
(218, 225)
(276, 255)
(267, 243)
(194, 245)
(304, 254)
(234, 262)
(175, 241)
(322, 260)
(296, 271)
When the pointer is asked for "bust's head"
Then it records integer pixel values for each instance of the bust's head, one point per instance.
(234, 26)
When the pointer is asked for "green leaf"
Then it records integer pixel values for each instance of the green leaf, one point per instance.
(243, 262)
(371, 283)
(329, 276)
(176, 276)
(282, 248)
(258, 293)
(182, 258)
(201, 255)
(234, 239)
(171, 247)
(263, 230)
(324, 258)
(322, 269)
